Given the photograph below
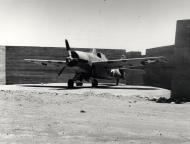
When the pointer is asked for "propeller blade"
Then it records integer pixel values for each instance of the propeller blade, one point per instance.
(67, 45)
(60, 72)
(68, 49)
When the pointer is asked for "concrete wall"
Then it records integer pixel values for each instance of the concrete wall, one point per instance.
(19, 71)
(160, 75)
(2, 65)
(134, 77)
(133, 54)
(167, 51)
(181, 75)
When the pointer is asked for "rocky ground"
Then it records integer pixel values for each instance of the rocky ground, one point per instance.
(52, 114)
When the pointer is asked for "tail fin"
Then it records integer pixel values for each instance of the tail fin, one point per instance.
(94, 51)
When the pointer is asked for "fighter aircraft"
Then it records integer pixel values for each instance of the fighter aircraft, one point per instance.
(90, 66)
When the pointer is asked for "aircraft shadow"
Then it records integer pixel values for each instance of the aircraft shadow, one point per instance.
(101, 86)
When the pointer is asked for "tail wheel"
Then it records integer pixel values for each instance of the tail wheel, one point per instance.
(70, 83)
(94, 83)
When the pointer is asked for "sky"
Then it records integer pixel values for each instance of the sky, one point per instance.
(134, 25)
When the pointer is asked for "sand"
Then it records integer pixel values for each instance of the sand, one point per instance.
(52, 114)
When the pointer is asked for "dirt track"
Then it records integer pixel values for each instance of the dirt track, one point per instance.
(52, 114)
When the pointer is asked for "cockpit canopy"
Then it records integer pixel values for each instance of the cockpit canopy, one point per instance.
(99, 55)
(102, 56)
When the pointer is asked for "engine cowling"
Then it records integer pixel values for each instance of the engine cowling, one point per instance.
(71, 61)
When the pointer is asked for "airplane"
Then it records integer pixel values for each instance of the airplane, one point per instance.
(94, 65)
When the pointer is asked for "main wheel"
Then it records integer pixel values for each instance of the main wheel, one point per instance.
(94, 83)
(70, 83)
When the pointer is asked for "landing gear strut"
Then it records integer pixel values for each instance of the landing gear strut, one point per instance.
(117, 81)
(94, 83)
(70, 83)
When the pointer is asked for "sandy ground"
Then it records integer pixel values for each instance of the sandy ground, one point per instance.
(52, 114)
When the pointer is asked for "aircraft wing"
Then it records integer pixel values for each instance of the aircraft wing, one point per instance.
(129, 63)
(51, 63)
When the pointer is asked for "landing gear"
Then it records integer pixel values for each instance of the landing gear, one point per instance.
(117, 81)
(70, 83)
(94, 83)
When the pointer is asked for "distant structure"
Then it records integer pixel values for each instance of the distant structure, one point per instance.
(133, 54)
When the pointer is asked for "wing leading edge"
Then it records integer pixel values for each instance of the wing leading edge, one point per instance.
(132, 62)
(51, 63)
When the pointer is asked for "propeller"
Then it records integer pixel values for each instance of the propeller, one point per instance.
(71, 60)
(68, 49)
(60, 72)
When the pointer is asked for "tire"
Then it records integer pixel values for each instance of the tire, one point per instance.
(94, 83)
(70, 83)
